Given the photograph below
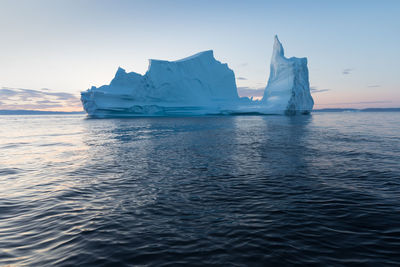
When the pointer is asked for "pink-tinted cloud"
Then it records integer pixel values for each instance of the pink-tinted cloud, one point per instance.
(46, 99)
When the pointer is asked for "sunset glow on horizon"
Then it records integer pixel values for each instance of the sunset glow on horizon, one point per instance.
(351, 47)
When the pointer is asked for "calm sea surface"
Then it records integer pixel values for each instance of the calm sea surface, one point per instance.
(230, 190)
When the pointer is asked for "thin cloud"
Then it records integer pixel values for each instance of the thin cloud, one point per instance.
(249, 92)
(26, 94)
(373, 86)
(347, 71)
(241, 78)
(63, 96)
(47, 102)
(315, 90)
(46, 99)
(320, 91)
(6, 92)
(361, 102)
(373, 102)
(31, 106)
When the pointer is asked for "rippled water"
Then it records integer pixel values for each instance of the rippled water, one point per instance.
(242, 190)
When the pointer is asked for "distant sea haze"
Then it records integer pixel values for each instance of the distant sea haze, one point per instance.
(36, 112)
(42, 112)
(320, 189)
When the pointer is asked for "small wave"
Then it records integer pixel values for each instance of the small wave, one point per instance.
(9, 171)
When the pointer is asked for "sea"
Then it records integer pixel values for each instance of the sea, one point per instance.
(320, 189)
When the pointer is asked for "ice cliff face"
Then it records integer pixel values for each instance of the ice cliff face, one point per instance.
(195, 85)
(200, 85)
(288, 88)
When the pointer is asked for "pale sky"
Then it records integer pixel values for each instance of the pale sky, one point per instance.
(66, 46)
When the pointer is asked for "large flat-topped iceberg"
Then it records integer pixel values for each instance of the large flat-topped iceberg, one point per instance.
(195, 85)
(199, 85)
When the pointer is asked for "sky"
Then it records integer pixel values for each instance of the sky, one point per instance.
(51, 50)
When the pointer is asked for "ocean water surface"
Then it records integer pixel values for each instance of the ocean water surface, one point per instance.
(229, 190)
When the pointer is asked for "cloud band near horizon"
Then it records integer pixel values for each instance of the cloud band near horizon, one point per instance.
(45, 99)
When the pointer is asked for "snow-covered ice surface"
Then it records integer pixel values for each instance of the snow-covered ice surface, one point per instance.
(200, 85)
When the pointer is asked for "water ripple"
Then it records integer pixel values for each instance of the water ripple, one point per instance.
(310, 190)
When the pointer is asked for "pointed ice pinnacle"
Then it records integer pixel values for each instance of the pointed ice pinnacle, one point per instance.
(288, 87)
(278, 48)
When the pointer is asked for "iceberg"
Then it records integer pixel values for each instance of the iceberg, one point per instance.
(195, 85)
(200, 85)
(288, 88)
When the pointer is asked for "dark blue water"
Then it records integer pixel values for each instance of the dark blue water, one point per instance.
(243, 190)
